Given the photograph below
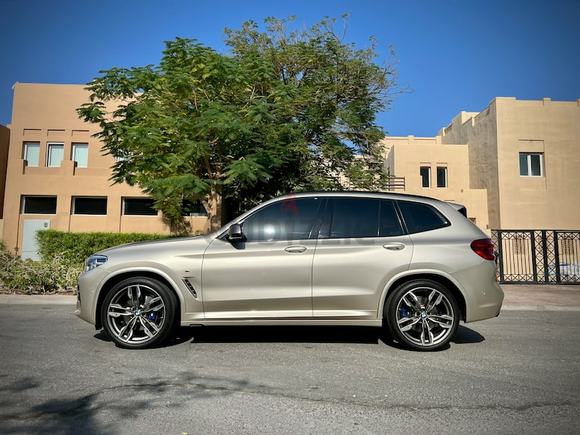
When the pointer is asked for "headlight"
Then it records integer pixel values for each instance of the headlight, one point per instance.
(94, 261)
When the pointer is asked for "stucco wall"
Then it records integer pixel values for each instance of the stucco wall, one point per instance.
(4, 142)
(495, 138)
(551, 201)
(47, 113)
(406, 155)
(479, 132)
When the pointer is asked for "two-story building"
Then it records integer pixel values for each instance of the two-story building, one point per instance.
(57, 176)
(515, 165)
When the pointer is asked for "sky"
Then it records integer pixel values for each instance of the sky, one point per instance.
(454, 55)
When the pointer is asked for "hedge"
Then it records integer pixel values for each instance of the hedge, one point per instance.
(62, 256)
(75, 248)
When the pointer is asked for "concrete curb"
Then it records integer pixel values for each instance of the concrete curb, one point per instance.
(538, 308)
(37, 300)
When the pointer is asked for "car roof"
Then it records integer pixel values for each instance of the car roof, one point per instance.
(360, 193)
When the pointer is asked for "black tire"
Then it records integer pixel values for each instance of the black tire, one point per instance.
(139, 313)
(422, 315)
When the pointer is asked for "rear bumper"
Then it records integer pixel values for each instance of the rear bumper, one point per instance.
(483, 295)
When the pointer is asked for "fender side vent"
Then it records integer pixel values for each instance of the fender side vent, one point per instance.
(189, 287)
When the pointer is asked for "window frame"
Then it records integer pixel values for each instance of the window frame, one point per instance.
(26, 152)
(23, 201)
(445, 177)
(75, 198)
(529, 164)
(49, 148)
(194, 205)
(75, 147)
(428, 178)
(124, 206)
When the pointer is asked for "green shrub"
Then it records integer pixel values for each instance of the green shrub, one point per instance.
(63, 255)
(30, 277)
(76, 247)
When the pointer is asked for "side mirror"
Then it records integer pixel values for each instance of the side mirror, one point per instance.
(235, 233)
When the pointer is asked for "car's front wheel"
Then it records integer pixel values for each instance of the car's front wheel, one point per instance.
(422, 315)
(138, 313)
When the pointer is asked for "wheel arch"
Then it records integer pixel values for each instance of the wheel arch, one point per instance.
(116, 279)
(443, 280)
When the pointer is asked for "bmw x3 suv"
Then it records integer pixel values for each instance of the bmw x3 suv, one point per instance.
(413, 265)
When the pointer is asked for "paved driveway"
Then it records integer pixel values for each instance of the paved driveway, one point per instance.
(518, 373)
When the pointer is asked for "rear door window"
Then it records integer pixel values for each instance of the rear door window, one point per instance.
(354, 218)
(421, 217)
(390, 225)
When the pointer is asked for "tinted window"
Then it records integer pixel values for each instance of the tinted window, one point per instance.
(425, 176)
(389, 224)
(421, 217)
(139, 207)
(92, 206)
(290, 219)
(39, 205)
(354, 218)
(193, 208)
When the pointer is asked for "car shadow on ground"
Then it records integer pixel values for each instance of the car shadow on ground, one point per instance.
(301, 334)
(294, 334)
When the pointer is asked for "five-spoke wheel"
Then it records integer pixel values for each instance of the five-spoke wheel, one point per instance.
(422, 315)
(138, 313)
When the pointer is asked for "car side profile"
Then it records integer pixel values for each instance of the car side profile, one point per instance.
(414, 265)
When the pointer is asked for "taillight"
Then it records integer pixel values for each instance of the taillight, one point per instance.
(483, 248)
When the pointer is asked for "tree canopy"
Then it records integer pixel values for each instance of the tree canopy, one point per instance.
(283, 111)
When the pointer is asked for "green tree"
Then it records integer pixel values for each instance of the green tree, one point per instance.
(284, 111)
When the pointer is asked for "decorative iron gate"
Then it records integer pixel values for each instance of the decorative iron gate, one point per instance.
(537, 256)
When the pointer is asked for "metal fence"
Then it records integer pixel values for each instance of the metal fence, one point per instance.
(537, 256)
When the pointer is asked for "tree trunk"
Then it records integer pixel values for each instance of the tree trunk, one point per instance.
(213, 207)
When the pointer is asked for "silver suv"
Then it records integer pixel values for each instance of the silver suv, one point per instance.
(413, 264)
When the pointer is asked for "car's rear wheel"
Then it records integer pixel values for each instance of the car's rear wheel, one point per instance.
(138, 313)
(422, 315)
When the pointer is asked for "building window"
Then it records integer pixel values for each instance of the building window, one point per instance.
(425, 176)
(81, 154)
(39, 204)
(193, 208)
(55, 155)
(531, 164)
(138, 207)
(32, 153)
(442, 176)
(89, 206)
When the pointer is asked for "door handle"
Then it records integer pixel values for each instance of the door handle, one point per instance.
(295, 249)
(395, 246)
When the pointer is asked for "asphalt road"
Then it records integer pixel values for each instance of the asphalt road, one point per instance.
(518, 373)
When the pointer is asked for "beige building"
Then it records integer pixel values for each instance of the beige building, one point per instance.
(515, 165)
(58, 178)
(432, 169)
(4, 142)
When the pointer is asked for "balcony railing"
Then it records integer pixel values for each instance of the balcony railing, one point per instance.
(396, 183)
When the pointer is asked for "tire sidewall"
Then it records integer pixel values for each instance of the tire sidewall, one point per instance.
(390, 314)
(169, 300)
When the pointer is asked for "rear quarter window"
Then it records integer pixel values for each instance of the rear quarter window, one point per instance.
(421, 217)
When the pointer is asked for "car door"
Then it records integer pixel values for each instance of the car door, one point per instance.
(269, 274)
(361, 246)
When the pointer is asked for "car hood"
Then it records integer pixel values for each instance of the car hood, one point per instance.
(158, 249)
